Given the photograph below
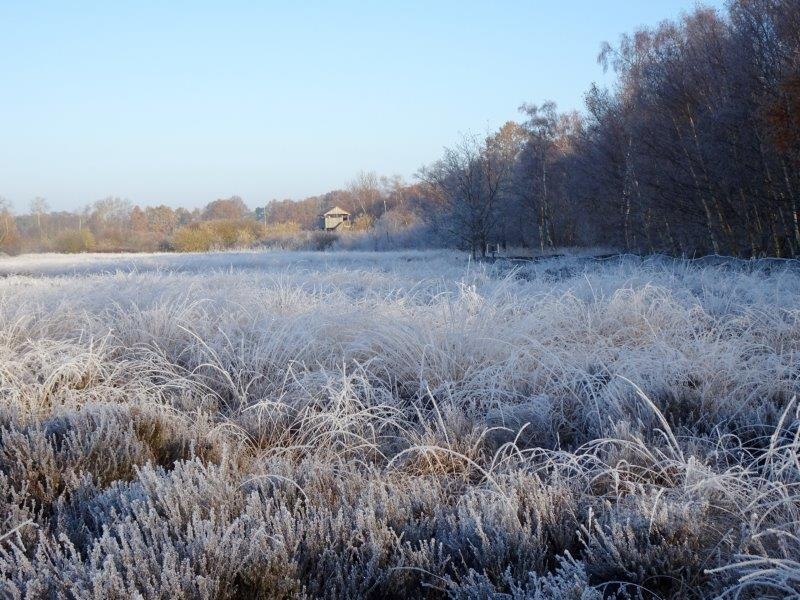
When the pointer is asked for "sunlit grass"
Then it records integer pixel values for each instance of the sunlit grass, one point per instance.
(397, 425)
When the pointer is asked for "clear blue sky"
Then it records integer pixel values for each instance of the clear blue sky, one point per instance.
(182, 102)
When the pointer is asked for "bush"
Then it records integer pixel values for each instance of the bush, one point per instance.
(74, 241)
(197, 237)
(323, 240)
(216, 235)
(239, 233)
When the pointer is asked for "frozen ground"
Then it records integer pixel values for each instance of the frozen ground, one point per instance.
(269, 425)
(85, 264)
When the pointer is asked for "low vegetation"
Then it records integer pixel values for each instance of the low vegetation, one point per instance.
(350, 425)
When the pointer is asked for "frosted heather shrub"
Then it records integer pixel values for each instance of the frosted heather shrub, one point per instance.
(407, 424)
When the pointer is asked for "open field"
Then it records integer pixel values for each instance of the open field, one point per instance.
(349, 425)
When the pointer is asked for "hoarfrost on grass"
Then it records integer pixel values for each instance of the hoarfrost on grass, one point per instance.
(398, 424)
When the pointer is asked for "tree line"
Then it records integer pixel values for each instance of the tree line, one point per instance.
(386, 215)
(110, 225)
(695, 150)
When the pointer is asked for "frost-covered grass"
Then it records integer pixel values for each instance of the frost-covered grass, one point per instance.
(398, 425)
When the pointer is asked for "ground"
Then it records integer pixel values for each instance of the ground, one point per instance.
(350, 425)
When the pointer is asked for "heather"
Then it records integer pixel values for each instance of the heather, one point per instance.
(402, 424)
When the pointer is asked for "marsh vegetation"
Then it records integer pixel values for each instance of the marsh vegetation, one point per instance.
(398, 425)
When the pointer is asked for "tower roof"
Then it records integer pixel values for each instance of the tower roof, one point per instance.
(336, 210)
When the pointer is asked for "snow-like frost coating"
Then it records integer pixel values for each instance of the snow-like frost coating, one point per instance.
(397, 424)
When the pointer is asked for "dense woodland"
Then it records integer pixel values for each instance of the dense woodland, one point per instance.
(696, 150)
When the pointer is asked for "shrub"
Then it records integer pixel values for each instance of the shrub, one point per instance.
(216, 235)
(197, 237)
(75, 241)
(323, 240)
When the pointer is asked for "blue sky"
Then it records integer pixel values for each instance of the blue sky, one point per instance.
(184, 102)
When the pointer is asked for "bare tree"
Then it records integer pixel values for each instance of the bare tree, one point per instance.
(39, 207)
(8, 228)
(469, 181)
(367, 194)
